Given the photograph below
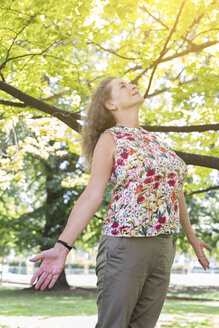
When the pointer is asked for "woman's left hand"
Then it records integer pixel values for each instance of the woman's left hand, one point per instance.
(198, 244)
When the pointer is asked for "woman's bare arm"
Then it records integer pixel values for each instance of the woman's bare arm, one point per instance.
(90, 200)
(53, 259)
(196, 242)
(184, 218)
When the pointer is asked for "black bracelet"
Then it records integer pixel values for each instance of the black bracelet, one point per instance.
(64, 244)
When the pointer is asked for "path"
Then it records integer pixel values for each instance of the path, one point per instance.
(89, 280)
(90, 321)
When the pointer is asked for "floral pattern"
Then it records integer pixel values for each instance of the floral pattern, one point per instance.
(146, 176)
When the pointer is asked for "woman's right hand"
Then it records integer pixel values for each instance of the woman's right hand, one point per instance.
(53, 262)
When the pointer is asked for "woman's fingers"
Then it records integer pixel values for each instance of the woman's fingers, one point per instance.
(207, 246)
(51, 279)
(44, 279)
(41, 280)
(52, 262)
(198, 248)
(203, 260)
(47, 281)
(54, 278)
(36, 275)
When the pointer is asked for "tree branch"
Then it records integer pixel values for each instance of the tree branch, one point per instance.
(155, 18)
(203, 32)
(2, 76)
(203, 190)
(14, 39)
(157, 92)
(191, 128)
(68, 118)
(195, 21)
(22, 105)
(199, 160)
(195, 48)
(30, 54)
(165, 47)
(113, 52)
(11, 103)
(73, 116)
(18, 11)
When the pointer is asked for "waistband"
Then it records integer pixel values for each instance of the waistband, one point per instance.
(165, 235)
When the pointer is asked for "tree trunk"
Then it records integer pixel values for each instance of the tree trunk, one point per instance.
(61, 282)
(55, 209)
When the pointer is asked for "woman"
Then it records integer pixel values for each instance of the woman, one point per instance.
(136, 249)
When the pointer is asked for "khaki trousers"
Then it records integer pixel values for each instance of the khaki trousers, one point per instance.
(133, 275)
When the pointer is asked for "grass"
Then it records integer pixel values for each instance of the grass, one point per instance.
(182, 307)
(205, 292)
(17, 302)
(194, 324)
(181, 313)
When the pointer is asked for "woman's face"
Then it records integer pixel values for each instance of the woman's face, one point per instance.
(125, 94)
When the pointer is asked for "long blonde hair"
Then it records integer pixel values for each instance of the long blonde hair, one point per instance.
(98, 120)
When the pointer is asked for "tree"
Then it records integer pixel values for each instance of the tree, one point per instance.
(53, 54)
(41, 202)
(42, 225)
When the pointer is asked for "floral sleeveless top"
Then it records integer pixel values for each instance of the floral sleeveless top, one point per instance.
(146, 177)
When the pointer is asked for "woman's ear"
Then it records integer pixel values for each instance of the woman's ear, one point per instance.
(110, 106)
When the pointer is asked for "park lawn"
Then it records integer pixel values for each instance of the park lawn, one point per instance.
(183, 307)
(191, 314)
(17, 302)
(183, 323)
(200, 292)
